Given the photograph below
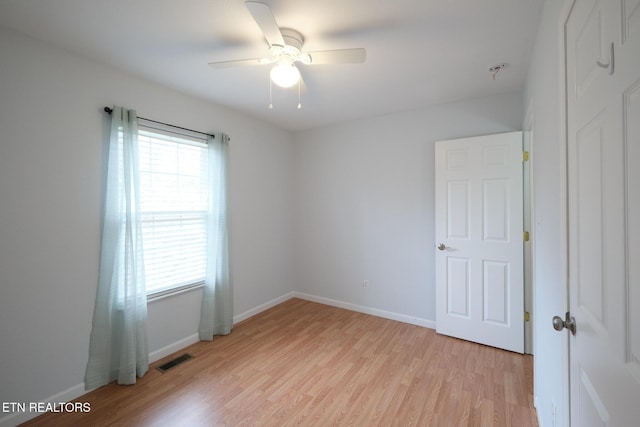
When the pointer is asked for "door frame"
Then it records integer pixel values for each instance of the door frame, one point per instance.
(563, 239)
(528, 223)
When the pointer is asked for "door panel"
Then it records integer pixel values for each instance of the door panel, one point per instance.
(589, 48)
(479, 211)
(632, 156)
(458, 210)
(631, 18)
(589, 248)
(496, 292)
(603, 211)
(458, 297)
(592, 409)
(495, 215)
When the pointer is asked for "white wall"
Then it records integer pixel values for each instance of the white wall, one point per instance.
(543, 100)
(364, 204)
(51, 152)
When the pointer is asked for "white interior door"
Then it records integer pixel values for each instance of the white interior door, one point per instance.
(479, 244)
(603, 128)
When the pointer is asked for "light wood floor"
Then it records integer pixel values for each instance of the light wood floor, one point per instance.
(308, 364)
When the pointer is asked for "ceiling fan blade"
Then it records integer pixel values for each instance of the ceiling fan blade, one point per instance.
(340, 56)
(236, 63)
(267, 23)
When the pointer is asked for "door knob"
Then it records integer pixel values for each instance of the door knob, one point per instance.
(569, 322)
(442, 246)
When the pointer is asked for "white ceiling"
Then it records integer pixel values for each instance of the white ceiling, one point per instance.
(419, 52)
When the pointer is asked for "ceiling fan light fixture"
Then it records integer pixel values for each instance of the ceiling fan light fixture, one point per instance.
(285, 51)
(285, 75)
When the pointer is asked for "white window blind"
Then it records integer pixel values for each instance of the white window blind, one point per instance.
(174, 204)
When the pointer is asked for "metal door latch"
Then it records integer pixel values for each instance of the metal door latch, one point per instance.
(569, 322)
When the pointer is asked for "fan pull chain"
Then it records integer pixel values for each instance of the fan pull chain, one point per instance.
(271, 95)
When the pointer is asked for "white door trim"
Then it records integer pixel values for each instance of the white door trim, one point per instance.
(563, 238)
(529, 216)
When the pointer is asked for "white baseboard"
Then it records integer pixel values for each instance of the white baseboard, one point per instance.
(173, 347)
(536, 404)
(67, 395)
(78, 390)
(262, 307)
(367, 310)
(192, 339)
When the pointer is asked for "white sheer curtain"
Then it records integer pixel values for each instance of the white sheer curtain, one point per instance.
(118, 348)
(216, 317)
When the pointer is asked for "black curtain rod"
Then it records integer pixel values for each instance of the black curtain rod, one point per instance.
(110, 110)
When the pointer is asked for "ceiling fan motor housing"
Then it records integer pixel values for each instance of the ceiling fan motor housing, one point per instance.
(292, 38)
(292, 50)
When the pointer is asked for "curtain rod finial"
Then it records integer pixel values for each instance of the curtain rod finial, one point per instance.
(108, 110)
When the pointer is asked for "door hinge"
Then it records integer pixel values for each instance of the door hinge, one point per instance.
(525, 236)
(527, 316)
(525, 156)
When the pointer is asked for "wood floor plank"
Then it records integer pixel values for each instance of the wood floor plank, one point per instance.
(307, 364)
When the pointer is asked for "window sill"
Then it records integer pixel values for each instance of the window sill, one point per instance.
(158, 295)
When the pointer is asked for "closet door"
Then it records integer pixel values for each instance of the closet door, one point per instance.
(603, 128)
(479, 240)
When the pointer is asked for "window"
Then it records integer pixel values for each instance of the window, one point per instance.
(174, 208)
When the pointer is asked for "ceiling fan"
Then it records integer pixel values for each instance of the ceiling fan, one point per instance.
(285, 50)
